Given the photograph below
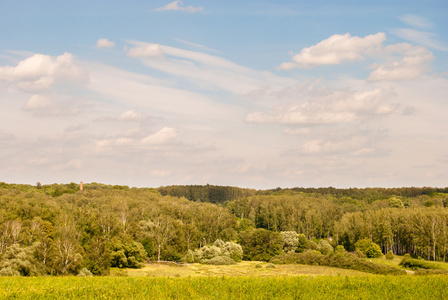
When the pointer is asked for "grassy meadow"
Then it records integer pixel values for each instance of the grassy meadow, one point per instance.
(245, 280)
(298, 287)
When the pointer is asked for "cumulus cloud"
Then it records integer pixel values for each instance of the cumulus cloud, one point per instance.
(37, 102)
(131, 115)
(163, 136)
(41, 71)
(411, 63)
(178, 5)
(55, 105)
(336, 50)
(327, 107)
(105, 43)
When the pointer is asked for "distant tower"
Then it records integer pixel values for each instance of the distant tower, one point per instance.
(80, 186)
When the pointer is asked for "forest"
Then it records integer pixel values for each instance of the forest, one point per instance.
(59, 229)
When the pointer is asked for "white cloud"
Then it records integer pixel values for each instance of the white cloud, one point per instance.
(149, 50)
(41, 71)
(204, 70)
(415, 21)
(37, 102)
(41, 66)
(336, 50)
(412, 62)
(326, 106)
(131, 115)
(54, 105)
(178, 5)
(163, 136)
(105, 43)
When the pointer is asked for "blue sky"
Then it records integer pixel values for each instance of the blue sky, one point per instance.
(255, 94)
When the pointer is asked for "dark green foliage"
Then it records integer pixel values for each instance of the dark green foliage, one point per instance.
(302, 244)
(344, 260)
(260, 244)
(206, 193)
(98, 256)
(416, 264)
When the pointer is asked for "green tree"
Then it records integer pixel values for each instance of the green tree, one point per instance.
(369, 248)
(126, 253)
(260, 244)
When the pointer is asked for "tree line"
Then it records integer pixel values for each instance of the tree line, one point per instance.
(58, 229)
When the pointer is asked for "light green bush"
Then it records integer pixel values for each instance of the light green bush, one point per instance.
(219, 260)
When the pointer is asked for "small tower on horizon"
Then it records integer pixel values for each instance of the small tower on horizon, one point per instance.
(80, 186)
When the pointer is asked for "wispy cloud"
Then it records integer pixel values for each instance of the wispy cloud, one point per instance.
(178, 5)
(427, 39)
(415, 21)
(424, 38)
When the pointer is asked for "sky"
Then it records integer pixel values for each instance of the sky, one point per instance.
(257, 94)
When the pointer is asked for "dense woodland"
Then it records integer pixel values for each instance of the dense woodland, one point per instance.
(58, 229)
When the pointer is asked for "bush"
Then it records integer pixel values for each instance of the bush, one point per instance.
(270, 266)
(233, 250)
(430, 272)
(339, 249)
(258, 266)
(344, 260)
(189, 257)
(416, 264)
(369, 248)
(219, 261)
(325, 247)
(390, 255)
(211, 252)
(290, 240)
(85, 273)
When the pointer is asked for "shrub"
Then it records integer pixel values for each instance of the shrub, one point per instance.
(233, 250)
(302, 244)
(369, 248)
(416, 264)
(189, 256)
(339, 249)
(211, 252)
(219, 261)
(84, 273)
(344, 260)
(258, 266)
(290, 240)
(390, 255)
(270, 266)
(325, 247)
(430, 272)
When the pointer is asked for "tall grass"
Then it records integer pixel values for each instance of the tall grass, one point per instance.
(337, 287)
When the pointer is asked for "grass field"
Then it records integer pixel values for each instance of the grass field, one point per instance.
(246, 280)
(245, 268)
(303, 287)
